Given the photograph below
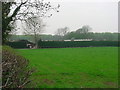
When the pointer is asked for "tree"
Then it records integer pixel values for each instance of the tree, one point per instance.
(34, 26)
(62, 31)
(84, 29)
(6, 19)
(81, 33)
(21, 11)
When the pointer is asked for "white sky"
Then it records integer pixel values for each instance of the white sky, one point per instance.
(100, 15)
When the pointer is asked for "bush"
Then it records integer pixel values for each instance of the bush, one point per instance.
(15, 69)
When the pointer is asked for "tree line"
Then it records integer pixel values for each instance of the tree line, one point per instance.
(106, 36)
(65, 34)
(71, 35)
(86, 33)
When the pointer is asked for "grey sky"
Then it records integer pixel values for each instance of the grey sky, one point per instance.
(101, 15)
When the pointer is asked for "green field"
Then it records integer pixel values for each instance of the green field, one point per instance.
(90, 67)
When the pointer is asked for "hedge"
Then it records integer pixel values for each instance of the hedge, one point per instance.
(16, 72)
(19, 44)
(63, 44)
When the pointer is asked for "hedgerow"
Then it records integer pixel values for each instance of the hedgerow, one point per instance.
(63, 44)
(15, 69)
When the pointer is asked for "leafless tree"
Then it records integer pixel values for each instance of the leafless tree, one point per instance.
(34, 26)
(62, 31)
(22, 10)
(84, 30)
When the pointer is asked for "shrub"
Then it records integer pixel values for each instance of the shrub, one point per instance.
(15, 69)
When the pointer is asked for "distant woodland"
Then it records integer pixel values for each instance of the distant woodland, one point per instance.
(70, 36)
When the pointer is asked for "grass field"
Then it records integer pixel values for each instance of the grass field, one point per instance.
(90, 67)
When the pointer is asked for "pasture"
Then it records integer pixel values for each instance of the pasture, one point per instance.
(89, 67)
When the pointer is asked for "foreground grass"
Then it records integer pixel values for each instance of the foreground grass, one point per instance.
(92, 67)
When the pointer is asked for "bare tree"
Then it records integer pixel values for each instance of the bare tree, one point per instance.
(85, 29)
(21, 10)
(62, 31)
(34, 26)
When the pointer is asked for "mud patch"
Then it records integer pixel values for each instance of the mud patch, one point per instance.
(112, 84)
(47, 81)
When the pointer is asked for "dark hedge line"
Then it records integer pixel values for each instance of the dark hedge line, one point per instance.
(63, 44)
(19, 44)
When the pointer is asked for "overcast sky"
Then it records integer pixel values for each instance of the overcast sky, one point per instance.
(100, 15)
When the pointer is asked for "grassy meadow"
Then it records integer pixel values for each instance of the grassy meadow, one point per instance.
(89, 67)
